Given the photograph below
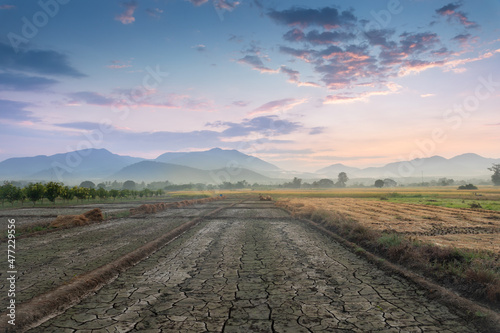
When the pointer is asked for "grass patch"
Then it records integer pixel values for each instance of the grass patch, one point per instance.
(389, 240)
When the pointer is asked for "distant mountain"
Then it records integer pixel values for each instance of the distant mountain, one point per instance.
(217, 165)
(149, 171)
(218, 159)
(335, 169)
(67, 167)
(466, 165)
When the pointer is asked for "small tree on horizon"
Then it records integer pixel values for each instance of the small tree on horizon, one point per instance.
(495, 178)
(379, 183)
(342, 179)
(87, 184)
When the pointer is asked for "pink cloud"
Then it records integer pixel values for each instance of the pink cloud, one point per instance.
(127, 17)
(392, 88)
(450, 11)
(198, 2)
(278, 105)
(117, 64)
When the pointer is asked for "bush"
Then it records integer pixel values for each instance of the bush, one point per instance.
(467, 187)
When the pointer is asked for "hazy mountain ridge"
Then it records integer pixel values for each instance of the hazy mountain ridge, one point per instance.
(465, 165)
(150, 171)
(218, 165)
(217, 158)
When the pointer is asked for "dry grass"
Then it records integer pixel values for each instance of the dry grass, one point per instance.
(158, 207)
(468, 229)
(68, 221)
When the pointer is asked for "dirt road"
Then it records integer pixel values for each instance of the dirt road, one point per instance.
(254, 269)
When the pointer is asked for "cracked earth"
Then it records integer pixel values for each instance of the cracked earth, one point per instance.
(252, 268)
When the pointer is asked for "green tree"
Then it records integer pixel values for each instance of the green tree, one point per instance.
(495, 178)
(35, 192)
(390, 182)
(67, 193)
(324, 183)
(87, 184)
(102, 193)
(379, 183)
(52, 191)
(129, 185)
(10, 193)
(342, 179)
(124, 193)
(92, 193)
(114, 193)
(81, 192)
(23, 196)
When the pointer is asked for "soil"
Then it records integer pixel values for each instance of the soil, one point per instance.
(249, 268)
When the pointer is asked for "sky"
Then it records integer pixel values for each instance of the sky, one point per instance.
(300, 84)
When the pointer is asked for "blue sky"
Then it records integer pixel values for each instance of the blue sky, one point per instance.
(300, 84)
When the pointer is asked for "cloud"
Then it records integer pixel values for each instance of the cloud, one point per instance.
(465, 40)
(45, 62)
(418, 42)
(281, 105)
(315, 37)
(264, 125)
(427, 95)
(392, 88)
(317, 130)
(127, 98)
(198, 2)
(303, 54)
(81, 125)
(13, 110)
(7, 7)
(256, 63)
(240, 103)
(91, 98)
(328, 18)
(344, 55)
(21, 82)
(227, 134)
(127, 17)
(155, 12)
(380, 37)
(200, 48)
(226, 4)
(450, 11)
(118, 64)
(293, 77)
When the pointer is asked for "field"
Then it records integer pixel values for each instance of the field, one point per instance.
(461, 228)
(442, 215)
(246, 266)
(238, 264)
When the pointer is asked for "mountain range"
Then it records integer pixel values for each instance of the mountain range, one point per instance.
(462, 166)
(217, 165)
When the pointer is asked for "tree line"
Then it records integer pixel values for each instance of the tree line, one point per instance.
(37, 192)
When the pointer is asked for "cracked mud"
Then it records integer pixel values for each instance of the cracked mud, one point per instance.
(240, 272)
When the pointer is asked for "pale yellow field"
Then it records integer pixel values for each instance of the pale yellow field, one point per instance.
(462, 228)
